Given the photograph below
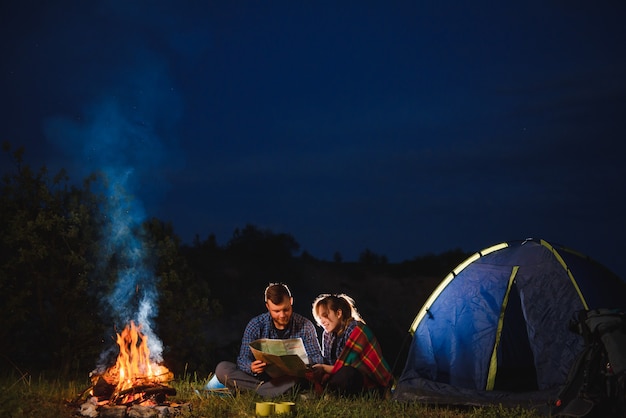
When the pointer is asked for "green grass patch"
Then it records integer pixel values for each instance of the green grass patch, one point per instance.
(43, 397)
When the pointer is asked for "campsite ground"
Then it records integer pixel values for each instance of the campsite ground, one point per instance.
(28, 396)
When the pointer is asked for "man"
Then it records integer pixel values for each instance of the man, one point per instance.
(279, 322)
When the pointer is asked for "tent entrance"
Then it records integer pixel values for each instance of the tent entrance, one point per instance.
(516, 366)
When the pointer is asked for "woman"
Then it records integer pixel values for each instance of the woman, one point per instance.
(352, 358)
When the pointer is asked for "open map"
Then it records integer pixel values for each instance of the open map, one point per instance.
(283, 357)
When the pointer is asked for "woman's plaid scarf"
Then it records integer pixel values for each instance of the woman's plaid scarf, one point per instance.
(363, 352)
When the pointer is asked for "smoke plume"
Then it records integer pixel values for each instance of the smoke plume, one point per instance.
(121, 136)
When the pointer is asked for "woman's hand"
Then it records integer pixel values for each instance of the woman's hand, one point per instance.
(257, 366)
(314, 373)
(319, 374)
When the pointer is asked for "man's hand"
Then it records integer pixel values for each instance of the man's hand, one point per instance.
(257, 366)
(323, 368)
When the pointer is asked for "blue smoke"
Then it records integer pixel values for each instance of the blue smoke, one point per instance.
(117, 136)
(135, 296)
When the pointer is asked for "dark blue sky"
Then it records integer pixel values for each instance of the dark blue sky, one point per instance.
(403, 127)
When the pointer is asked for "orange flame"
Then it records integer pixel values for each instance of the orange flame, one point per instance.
(134, 378)
(133, 365)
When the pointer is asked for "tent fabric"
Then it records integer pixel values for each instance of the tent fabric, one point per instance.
(497, 328)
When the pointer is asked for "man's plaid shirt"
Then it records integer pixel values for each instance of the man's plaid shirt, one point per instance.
(262, 326)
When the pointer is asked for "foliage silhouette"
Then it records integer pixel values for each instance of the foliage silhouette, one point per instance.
(53, 279)
(49, 232)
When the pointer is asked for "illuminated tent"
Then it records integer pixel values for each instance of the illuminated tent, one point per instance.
(496, 329)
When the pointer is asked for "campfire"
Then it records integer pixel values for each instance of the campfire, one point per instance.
(135, 378)
(133, 381)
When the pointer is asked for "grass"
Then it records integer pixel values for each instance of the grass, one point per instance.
(42, 397)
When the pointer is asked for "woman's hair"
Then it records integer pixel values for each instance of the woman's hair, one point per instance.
(341, 302)
(276, 293)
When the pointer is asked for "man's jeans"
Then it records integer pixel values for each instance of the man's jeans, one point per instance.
(235, 379)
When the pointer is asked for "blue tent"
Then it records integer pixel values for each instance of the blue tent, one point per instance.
(496, 330)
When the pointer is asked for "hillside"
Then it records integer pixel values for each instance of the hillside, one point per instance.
(388, 296)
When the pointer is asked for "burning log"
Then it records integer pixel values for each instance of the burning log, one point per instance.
(145, 393)
(153, 393)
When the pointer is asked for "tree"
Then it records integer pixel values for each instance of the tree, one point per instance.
(186, 304)
(48, 239)
(368, 257)
(262, 243)
(262, 252)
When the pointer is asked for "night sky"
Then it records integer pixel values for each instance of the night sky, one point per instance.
(403, 127)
